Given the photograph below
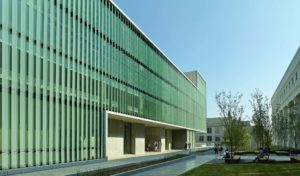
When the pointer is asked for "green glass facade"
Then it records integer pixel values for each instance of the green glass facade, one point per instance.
(63, 63)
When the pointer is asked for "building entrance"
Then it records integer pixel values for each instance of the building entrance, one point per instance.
(127, 138)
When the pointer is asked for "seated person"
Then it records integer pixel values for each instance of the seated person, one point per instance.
(226, 154)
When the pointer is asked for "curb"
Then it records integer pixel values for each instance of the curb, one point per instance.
(33, 169)
(96, 171)
(136, 171)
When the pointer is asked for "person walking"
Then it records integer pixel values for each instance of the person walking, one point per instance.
(260, 155)
(159, 146)
(216, 149)
(155, 146)
(221, 151)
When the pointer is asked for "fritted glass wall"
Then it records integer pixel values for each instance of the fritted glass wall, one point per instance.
(63, 63)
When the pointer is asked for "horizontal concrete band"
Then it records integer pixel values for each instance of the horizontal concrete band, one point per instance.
(147, 122)
(49, 167)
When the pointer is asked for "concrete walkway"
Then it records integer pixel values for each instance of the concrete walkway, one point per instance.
(103, 165)
(184, 166)
(180, 167)
(113, 164)
(151, 153)
(272, 157)
(250, 158)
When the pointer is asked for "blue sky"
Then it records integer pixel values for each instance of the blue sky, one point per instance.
(236, 45)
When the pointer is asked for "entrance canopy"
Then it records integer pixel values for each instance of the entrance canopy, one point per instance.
(133, 135)
(146, 122)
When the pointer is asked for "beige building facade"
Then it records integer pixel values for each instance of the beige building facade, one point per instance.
(215, 133)
(285, 101)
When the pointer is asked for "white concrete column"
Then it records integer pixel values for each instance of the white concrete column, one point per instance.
(285, 116)
(115, 141)
(291, 109)
(138, 139)
(168, 139)
(296, 109)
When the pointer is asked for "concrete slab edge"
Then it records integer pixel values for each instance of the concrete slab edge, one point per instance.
(136, 171)
(48, 167)
(160, 156)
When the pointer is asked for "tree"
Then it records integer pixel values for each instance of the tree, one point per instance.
(294, 124)
(232, 112)
(261, 118)
(280, 127)
(275, 126)
(283, 128)
(241, 139)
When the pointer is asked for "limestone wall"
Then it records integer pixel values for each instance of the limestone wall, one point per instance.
(115, 145)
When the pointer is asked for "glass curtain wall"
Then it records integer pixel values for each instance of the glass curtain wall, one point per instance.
(63, 63)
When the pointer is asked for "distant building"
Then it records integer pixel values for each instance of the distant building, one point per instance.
(214, 135)
(215, 132)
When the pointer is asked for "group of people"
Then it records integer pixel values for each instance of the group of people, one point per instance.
(263, 152)
(218, 149)
(155, 146)
(187, 145)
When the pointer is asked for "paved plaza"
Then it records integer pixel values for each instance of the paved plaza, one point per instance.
(173, 169)
(103, 165)
(184, 166)
(181, 167)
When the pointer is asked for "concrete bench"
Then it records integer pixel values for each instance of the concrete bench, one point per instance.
(234, 159)
(295, 159)
(282, 153)
(265, 158)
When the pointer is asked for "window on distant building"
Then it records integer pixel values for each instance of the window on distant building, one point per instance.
(208, 130)
(217, 130)
(209, 138)
(201, 138)
(217, 139)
